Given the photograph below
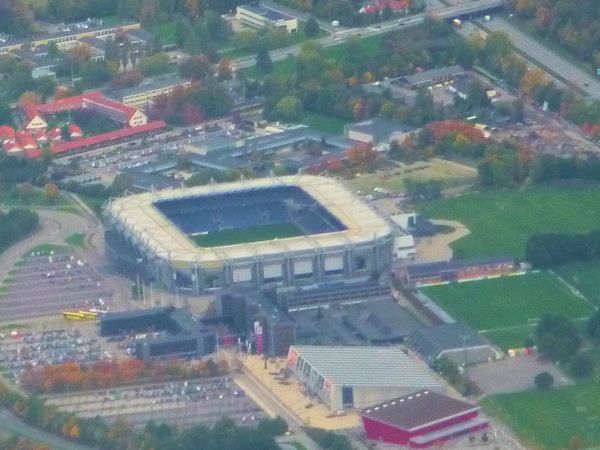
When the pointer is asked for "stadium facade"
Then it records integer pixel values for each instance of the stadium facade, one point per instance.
(281, 231)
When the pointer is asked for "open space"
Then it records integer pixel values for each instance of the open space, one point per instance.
(501, 221)
(507, 307)
(449, 173)
(585, 277)
(549, 419)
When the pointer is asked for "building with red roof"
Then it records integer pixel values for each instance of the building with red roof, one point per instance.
(26, 140)
(55, 134)
(75, 131)
(6, 133)
(12, 146)
(32, 119)
(380, 5)
(421, 419)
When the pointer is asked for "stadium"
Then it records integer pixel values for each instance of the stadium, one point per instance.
(287, 231)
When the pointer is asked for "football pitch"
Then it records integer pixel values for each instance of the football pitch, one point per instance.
(506, 309)
(585, 277)
(501, 221)
(245, 235)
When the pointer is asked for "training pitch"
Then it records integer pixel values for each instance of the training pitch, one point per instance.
(506, 309)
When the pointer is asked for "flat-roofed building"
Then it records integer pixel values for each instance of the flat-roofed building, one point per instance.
(354, 377)
(143, 94)
(257, 16)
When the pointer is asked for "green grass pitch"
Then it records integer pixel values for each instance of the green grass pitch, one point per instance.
(585, 277)
(501, 221)
(507, 306)
(245, 235)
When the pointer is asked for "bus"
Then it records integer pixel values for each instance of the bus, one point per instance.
(89, 315)
(70, 315)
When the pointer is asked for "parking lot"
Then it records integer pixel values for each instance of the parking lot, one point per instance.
(182, 403)
(46, 284)
(37, 348)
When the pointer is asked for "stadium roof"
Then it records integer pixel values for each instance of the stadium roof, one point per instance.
(417, 410)
(436, 267)
(157, 233)
(366, 366)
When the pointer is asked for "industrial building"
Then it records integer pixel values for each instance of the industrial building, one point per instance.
(434, 76)
(287, 231)
(161, 332)
(455, 341)
(421, 419)
(378, 132)
(354, 377)
(257, 16)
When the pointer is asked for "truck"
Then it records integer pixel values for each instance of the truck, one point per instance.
(457, 23)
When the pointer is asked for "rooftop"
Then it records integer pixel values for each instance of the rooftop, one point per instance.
(417, 410)
(366, 366)
(158, 83)
(139, 213)
(430, 76)
(267, 13)
(433, 268)
(382, 129)
(429, 342)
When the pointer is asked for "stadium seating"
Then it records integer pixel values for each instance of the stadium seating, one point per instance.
(249, 209)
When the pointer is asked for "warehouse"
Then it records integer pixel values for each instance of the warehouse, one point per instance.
(354, 377)
(421, 419)
(455, 341)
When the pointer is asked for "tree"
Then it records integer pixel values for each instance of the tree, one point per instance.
(543, 381)
(156, 64)
(593, 325)
(576, 443)
(224, 69)
(289, 108)
(558, 337)
(196, 68)
(582, 366)
(264, 64)
(273, 427)
(311, 29)
(51, 191)
(31, 97)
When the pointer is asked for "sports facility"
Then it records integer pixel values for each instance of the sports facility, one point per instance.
(289, 231)
(585, 277)
(506, 309)
(501, 221)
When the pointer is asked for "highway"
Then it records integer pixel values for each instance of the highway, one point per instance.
(537, 52)
(342, 35)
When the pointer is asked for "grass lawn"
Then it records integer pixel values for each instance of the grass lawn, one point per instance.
(549, 419)
(76, 240)
(325, 123)
(501, 221)
(284, 67)
(507, 306)
(36, 198)
(252, 234)
(450, 173)
(166, 32)
(585, 276)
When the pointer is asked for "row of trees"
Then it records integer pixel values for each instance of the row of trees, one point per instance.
(97, 433)
(545, 250)
(15, 225)
(104, 374)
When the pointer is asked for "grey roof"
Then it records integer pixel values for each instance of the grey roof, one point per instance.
(157, 83)
(429, 342)
(430, 76)
(267, 13)
(367, 366)
(381, 321)
(380, 128)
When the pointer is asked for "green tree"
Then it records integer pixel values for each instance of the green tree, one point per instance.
(264, 63)
(543, 381)
(311, 29)
(289, 108)
(582, 366)
(558, 338)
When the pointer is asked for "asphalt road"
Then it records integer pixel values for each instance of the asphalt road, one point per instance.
(546, 57)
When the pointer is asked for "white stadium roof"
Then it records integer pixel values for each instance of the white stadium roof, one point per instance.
(138, 214)
(367, 366)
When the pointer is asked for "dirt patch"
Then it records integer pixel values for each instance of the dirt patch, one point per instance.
(437, 248)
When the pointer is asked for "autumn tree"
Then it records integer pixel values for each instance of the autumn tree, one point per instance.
(51, 191)
(30, 97)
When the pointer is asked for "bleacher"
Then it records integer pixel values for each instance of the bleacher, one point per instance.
(249, 209)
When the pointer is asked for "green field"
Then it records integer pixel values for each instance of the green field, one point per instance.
(549, 419)
(507, 307)
(244, 235)
(76, 240)
(584, 276)
(501, 221)
(324, 123)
